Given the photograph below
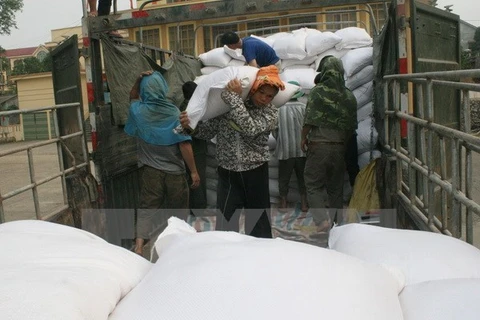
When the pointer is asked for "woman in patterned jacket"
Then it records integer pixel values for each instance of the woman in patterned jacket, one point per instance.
(242, 152)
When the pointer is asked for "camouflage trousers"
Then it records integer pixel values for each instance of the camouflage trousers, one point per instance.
(324, 179)
(162, 195)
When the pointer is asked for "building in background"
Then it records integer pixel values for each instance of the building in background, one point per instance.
(14, 58)
(197, 36)
(467, 33)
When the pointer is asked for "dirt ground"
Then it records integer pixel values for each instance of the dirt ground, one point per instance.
(14, 174)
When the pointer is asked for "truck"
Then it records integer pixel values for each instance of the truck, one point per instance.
(421, 111)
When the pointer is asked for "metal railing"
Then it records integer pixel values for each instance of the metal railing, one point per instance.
(437, 192)
(61, 150)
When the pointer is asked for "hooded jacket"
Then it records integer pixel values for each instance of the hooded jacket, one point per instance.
(330, 104)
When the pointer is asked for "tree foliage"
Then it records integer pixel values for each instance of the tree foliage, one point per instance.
(475, 46)
(4, 65)
(33, 65)
(8, 8)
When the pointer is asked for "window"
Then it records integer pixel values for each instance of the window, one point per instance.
(340, 20)
(252, 27)
(212, 35)
(150, 37)
(379, 15)
(301, 22)
(41, 55)
(183, 40)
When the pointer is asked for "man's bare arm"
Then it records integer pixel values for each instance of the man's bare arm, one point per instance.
(187, 155)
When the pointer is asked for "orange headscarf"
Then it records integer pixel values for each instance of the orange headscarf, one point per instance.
(267, 75)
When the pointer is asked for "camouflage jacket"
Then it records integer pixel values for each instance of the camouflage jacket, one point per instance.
(330, 104)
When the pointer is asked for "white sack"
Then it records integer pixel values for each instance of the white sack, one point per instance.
(299, 66)
(304, 77)
(421, 255)
(356, 60)
(365, 158)
(215, 58)
(365, 111)
(292, 63)
(273, 162)
(268, 41)
(212, 161)
(360, 78)
(317, 43)
(211, 148)
(236, 63)
(283, 96)
(211, 173)
(50, 271)
(211, 183)
(450, 299)
(291, 46)
(234, 53)
(307, 31)
(199, 79)
(352, 38)
(331, 52)
(363, 94)
(366, 141)
(273, 173)
(272, 142)
(208, 70)
(211, 198)
(272, 38)
(226, 275)
(206, 102)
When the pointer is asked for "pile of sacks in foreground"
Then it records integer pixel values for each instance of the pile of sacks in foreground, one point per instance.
(50, 271)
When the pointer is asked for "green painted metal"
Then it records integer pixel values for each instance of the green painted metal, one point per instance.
(436, 47)
(35, 126)
(208, 10)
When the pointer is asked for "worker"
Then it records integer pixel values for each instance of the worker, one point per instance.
(330, 119)
(242, 152)
(256, 52)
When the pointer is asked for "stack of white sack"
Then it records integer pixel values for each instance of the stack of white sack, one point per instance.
(225, 275)
(300, 52)
(442, 273)
(293, 195)
(51, 271)
(211, 175)
(358, 64)
(317, 46)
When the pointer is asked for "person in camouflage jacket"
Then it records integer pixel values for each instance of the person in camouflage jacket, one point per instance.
(242, 152)
(330, 119)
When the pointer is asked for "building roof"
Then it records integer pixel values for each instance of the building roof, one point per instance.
(20, 52)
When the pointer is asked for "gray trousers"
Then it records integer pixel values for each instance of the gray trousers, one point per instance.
(285, 169)
(162, 195)
(324, 179)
